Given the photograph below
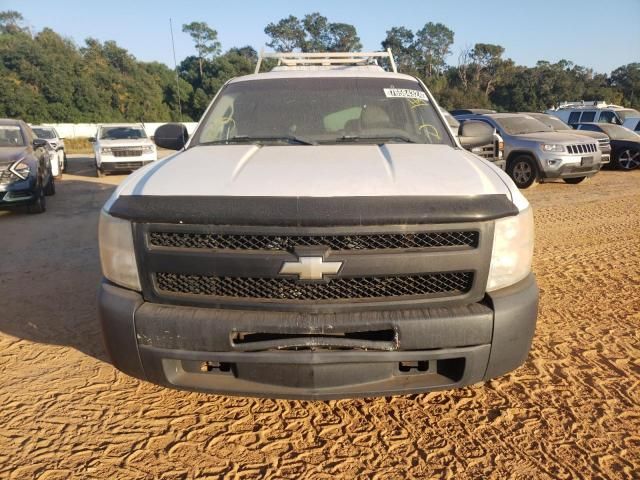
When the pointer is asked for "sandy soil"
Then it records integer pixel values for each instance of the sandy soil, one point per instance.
(572, 411)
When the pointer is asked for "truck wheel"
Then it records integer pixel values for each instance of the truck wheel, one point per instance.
(99, 173)
(523, 171)
(628, 159)
(50, 187)
(574, 181)
(40, 205)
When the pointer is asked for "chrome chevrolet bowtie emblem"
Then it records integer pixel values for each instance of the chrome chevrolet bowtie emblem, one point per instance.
(310, 268)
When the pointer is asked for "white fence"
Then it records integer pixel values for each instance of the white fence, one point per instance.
(78, 130)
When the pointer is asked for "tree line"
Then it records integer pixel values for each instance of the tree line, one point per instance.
(45, 77)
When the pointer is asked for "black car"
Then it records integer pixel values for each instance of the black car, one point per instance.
(25, 169)
(625, 144)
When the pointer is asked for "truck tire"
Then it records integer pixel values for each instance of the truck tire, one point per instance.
(523, 171)
(574, 181)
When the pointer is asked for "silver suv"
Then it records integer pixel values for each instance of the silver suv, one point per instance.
(321, 235)
(534, 152)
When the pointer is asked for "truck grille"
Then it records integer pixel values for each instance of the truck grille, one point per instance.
(126, 152)
(387, 287)
(582, 148)
(467, 238)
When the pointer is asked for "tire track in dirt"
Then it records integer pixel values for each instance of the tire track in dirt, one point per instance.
(572, 411)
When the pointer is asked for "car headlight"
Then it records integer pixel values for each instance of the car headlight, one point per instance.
(105, 150)
(20, 170)
(512, 250)
(552, 147)
(148, 149)
(117, 255)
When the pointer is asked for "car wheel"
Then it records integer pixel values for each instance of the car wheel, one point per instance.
(64, 161)
(40, 205)
(523, 171)
(628, 159)
(99, 173)
(575, 180)
(50, 187)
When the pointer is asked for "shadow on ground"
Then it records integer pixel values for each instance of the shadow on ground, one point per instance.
(50, 268)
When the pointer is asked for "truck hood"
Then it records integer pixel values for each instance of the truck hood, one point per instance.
(554, 137)
(317, 171)
(9, 155)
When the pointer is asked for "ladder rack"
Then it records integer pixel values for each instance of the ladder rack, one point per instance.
(321, 59)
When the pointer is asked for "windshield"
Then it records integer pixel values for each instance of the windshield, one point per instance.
(11, 136)
(122, 133)
(554, 122)
(521, 125)
(45, 133)
(627, 113)
(616, 132)
(322, 111)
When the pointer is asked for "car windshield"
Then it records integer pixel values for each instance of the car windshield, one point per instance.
(11, 136)
(122, 133)
(521, 125)
(616, 132)
(627, 113)
(299, 111)
(45, 133)
(554, 122)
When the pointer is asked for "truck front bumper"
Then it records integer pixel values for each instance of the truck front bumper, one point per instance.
(318, 356)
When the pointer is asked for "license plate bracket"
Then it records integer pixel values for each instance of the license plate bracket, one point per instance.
(586, 161)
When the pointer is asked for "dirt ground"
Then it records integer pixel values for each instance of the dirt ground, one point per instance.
(572, 411)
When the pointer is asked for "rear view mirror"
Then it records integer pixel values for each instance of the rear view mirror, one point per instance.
(474, 133)
(92, 139)
(172, 136)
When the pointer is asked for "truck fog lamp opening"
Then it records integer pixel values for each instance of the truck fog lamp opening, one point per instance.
(512, 252)
(117, 255)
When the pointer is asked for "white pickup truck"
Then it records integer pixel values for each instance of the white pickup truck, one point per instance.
(321, 235)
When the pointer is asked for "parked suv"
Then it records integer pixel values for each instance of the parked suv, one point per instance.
(56, 142)
(321, 235)
(587, 112)
(558, 125)
(534, 152)
(122, 148)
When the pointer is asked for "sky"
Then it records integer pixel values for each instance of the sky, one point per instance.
(592, 33)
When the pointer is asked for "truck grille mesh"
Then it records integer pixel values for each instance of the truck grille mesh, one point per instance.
(450, 283)
(334, 242)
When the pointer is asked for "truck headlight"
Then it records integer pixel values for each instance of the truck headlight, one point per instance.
(552, 147)
(20, 169)
(117, 255)
(148, 149)
(105, 150)
(512, 250)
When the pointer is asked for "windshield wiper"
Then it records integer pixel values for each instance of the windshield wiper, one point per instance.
(377, 139)
(250, 139)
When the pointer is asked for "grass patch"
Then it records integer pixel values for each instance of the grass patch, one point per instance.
(78, 145)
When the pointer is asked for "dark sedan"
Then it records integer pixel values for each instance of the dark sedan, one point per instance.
(625, 144)
(25, 170)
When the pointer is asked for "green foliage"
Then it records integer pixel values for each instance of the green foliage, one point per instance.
(205, 39)
(314, 33)
(434, 42)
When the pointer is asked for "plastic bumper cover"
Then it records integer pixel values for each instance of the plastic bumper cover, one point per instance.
(427, 349)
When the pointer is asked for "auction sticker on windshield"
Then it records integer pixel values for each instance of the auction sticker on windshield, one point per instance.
(404, 93)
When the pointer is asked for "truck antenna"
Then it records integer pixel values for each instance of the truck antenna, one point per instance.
(175, 65)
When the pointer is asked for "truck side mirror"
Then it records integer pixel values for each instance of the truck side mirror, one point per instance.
(39, 143)
(172, 136)
(92, 139)
(473, 133)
